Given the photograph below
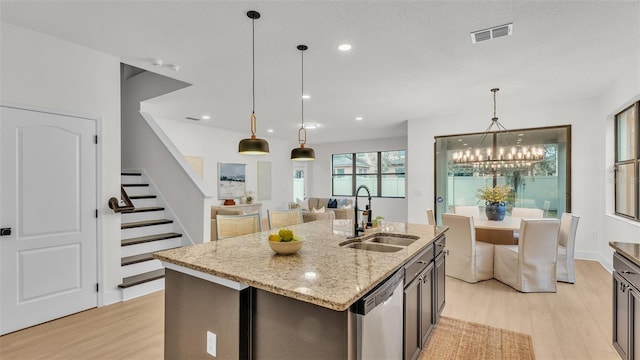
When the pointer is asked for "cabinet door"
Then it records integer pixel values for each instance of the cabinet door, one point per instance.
(426, 303)
(634, 322)
(438, 282)
(411, 320)
(620, 315)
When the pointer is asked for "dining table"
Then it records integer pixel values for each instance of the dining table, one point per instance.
(497, 232)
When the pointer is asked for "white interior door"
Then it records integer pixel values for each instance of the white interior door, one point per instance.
(48, 199)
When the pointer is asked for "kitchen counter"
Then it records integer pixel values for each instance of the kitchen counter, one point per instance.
(322, 273)
(630, 251)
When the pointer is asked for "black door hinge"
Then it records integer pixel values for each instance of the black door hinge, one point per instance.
(95, 139)
(97, 287)
(96, 213)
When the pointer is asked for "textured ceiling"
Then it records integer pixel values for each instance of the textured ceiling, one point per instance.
(410, 60)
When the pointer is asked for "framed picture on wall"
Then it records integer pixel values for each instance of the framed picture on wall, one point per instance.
(231, 180)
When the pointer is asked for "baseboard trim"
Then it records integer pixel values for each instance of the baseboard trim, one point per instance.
(111, 297)
(595, 256)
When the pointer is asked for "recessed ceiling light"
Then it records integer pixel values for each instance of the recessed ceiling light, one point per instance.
(344, 47)
(459, 139)
(465, 144)
(359, 118)
(306, 96)
(309, 125)
(206, 117)
(520, 134)
(269, 130)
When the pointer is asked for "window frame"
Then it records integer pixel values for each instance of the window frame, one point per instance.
(378, 174)
(635, 160)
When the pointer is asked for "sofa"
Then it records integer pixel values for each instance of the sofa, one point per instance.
(319, 203)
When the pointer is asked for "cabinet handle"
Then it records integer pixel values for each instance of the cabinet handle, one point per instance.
(423, 262)
(626, 272)
(446, 252)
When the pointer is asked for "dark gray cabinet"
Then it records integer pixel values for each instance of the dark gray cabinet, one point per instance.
(626, 305)
(423, 297)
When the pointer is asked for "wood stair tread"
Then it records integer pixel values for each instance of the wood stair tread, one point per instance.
(133, 197)
(135, 224)
(144, 209)
(149, 238)
(135, 259)
(142, 278)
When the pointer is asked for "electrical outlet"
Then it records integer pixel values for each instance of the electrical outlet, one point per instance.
(211, 343)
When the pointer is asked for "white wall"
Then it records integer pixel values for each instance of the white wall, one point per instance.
(42, 71)
(588, 148)
(392, 209)
(216, 145)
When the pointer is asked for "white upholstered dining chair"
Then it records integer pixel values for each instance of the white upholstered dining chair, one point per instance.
(530, 266)
(468, 259)
(278, 219)
(565, 271)
(527, 213)
(236, 225)
(473, 211)
(431, 220)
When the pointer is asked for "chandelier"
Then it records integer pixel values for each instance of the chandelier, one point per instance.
(492, 157)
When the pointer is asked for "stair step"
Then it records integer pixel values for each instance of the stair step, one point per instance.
(142, 278)
(129, 260)
(144, 209)
(149, 238)
(135, 197)
(137, 224)
(131, 174)
(134, 185)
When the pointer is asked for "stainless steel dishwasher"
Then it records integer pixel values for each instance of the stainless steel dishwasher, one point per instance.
(379, 321)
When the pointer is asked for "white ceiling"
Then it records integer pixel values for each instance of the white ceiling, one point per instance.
(410, 59)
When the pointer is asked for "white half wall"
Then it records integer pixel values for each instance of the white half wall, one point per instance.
(221, 146)
(45, 72)
(392, 209)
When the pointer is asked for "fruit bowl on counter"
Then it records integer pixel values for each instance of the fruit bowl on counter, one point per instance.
(285, 242)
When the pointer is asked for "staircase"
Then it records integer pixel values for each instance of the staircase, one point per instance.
(145, 230)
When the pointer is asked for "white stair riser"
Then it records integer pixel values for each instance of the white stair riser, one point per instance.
(142, 216)
(130, 179)
(140, 268)
(136, 190)
(152, 246)
(142, 289)
(145, 230)
(144, 202)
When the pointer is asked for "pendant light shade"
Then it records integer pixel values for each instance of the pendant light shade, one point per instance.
(253, 145)
(302, 153)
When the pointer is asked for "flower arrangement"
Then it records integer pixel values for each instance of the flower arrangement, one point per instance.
(496, 194)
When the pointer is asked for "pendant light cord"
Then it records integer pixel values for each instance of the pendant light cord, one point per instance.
(253, 78)
(302, 88)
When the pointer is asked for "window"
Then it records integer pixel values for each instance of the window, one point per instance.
(383, 172)
(627, 163)
(544, 186)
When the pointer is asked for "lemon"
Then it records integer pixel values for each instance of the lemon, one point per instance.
(274, 237)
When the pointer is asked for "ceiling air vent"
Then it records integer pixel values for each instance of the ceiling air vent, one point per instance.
(491, 33)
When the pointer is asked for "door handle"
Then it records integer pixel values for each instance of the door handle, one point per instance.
(5, 231)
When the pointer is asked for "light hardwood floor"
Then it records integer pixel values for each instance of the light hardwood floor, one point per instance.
(574, 323)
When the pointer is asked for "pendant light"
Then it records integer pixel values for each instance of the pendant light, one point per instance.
(253, 145)
(302, 153)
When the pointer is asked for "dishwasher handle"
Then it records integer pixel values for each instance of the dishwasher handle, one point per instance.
(379, 294)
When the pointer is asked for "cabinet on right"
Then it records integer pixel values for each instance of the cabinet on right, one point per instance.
(423, 296)
(626, 305)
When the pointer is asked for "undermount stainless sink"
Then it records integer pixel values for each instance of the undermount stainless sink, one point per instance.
(372, 247)
(392, 240)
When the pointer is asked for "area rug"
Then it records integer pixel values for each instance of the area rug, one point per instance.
(457, 339)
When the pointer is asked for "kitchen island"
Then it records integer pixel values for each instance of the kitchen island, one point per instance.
(262, 305)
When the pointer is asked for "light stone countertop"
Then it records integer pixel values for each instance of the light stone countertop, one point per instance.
(321, 273)
(630, 251)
